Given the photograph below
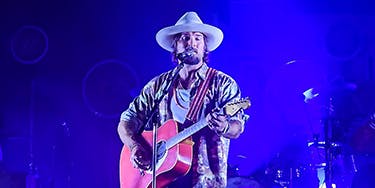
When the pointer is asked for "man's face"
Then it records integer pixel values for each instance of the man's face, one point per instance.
(192, 41)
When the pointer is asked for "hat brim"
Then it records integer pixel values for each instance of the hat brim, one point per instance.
(214, 35)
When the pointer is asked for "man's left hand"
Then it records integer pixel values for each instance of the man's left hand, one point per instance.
(217, 122)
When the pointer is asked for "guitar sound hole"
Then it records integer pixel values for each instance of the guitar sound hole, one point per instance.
(161, 149)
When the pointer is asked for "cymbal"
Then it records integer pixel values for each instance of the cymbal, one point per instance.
(322, 144)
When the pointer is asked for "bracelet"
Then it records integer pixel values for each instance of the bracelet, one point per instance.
(372, 121)
(372, 125)
(133, 146)
(224, 131)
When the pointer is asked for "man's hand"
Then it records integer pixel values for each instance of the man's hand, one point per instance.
(217, 122)
(141, 157)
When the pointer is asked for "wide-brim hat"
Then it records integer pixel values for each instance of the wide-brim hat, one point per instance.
(189, 22)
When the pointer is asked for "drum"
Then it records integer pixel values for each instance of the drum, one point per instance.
(284, 177)
(242, 182)
(317, 153)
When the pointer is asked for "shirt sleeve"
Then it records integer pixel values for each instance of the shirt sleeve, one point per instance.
(139, 108)
(229, 92)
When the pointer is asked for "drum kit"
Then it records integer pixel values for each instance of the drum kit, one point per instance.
(315, 171)
(328, 161)
(326, 164)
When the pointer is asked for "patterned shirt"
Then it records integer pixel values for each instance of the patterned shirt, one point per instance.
(210, 150)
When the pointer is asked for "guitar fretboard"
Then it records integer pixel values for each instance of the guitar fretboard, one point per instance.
(186, 133)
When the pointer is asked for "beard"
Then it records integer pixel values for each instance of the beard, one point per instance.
(191, 60)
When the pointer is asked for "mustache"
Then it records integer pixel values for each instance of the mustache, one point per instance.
(191, 49)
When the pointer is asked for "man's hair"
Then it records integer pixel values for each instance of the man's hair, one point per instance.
(174, 53)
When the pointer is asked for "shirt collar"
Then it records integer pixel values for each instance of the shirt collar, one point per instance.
(202, 72)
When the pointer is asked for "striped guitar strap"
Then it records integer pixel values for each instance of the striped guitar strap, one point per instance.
(196, 105)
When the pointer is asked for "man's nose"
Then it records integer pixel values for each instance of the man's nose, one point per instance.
(189, 41)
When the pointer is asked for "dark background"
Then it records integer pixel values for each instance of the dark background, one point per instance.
(69, 68)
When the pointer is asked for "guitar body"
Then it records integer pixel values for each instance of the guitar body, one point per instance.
(176, 161)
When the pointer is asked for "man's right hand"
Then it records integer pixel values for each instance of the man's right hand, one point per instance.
(141, 157)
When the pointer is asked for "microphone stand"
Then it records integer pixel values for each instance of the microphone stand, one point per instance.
(166, 90)
(32, 176)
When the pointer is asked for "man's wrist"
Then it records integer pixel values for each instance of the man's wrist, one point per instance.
(226, 128)
(133, 144)
(132, 147)
(224, 131)
(372, 121)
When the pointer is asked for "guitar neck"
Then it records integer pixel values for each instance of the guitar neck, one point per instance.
(230, 109)
(186, 133)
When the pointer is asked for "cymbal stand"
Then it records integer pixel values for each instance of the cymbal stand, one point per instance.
(328, 128)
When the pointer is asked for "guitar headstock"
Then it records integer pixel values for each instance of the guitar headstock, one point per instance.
(232, 108)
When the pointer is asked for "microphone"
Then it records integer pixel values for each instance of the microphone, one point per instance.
(181, 56)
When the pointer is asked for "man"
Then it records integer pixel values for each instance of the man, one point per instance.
(190, 41)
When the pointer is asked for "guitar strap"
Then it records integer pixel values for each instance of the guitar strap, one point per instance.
(197, 102)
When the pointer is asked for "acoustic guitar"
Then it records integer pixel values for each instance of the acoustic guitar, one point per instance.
(174, 152)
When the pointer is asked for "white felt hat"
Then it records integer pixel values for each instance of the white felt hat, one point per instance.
(190, 22)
